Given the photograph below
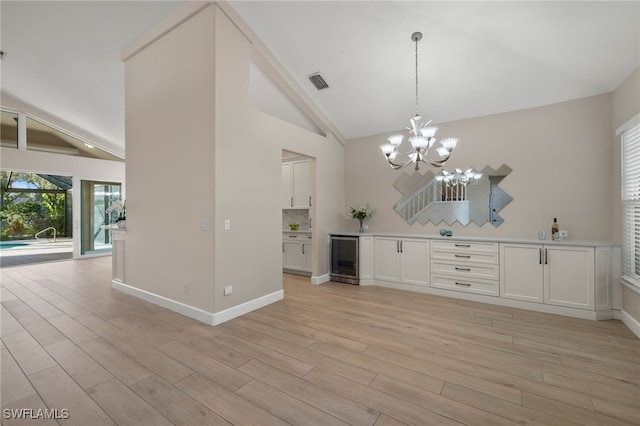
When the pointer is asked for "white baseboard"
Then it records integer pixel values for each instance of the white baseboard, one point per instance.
(197, 313)
(631, 323)
(320, 279)
(245, 308)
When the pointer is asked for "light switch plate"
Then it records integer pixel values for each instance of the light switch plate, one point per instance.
(227, 224)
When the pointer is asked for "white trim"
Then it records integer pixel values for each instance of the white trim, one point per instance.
(632, 122)
(631, 323)
(320, 279)
(197, 313)
(629, 285)
(512, 303)
(245, 308)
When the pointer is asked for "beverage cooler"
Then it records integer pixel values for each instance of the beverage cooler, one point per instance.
(344, 259)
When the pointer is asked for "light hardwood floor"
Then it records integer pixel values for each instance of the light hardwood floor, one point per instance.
(331, 354)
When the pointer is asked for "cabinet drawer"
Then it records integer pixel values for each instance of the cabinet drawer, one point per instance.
(295, 236)
(468, 257)
(489, 288)
(464, 246)
(466, 270)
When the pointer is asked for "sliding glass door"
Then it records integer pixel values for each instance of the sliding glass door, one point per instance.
(96, 197)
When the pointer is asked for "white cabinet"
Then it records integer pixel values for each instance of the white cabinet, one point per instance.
(402, 260)
(569, 277)
(554, 275)
(467, 266)
(297, 252)
(296, 192)
(522, 272)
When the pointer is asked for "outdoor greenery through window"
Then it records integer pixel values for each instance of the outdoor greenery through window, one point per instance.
(31, 203)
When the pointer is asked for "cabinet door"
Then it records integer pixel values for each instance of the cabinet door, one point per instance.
(365, 252)
(287, 179)
(292, 256)
(386, 265)
(301, 196)
(521, 272)
(569, 277)
(414, 262)
(307, 258)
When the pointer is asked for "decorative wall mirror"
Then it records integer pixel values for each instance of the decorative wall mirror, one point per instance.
(426, 198)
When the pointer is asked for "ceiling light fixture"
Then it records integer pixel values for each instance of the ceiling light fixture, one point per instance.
(421, 137)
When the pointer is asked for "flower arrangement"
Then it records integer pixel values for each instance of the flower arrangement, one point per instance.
(361, 213)
(119, 207)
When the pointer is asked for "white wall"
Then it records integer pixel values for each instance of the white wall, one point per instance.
(196, 150)
(561, 159)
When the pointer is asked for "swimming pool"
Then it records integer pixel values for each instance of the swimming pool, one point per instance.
(6, 246)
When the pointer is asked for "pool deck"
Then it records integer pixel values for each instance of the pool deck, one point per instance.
(36, 251)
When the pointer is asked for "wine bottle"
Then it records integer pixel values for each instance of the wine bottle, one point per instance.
(555, 229)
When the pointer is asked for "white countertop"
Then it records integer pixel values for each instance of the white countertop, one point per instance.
(567, 242)
(299, 231)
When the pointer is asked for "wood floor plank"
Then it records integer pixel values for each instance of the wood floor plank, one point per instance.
(377, 400)
(438, 404)
(80, 366)
(327, 354)
(122, 366)
(161, 364)
(266, 355)
(500, 407)
(566, 411)
(14, 385)
(29, 355)
(42, 330)
(175, 404)
(220, 373)
(68, 326)
(225, 403)
(319, 397)
(124, 406)
(288, 408)
(59, 391)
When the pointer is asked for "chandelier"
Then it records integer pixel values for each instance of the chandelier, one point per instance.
(459, 178)
(425, 147)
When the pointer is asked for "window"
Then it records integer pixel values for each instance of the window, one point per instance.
(631, 204)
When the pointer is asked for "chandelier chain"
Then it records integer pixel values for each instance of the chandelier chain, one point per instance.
(417, 77)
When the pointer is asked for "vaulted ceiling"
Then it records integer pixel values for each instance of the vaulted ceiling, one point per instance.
(475, 58)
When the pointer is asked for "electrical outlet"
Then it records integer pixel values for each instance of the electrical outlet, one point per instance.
(227, 224)
(204, 225)
(228, 290)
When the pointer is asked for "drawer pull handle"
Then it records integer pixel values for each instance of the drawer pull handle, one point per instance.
(464, 256)
(293, 236)
(463, 245)
(463, 269)
(463, 284)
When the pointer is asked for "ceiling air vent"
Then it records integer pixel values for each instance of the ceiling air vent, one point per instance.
(318, 81)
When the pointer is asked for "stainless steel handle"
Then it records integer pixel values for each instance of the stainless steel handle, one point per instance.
(540, 256)
(400, 246)
(397, 246)
(303, 249)
(310, 223)
(463, 245)
(291, 201)
(546, 257)
(293, 236)
(464, 256)
(463, 284)
(309, 200)
(283, 247)
(463, 269)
